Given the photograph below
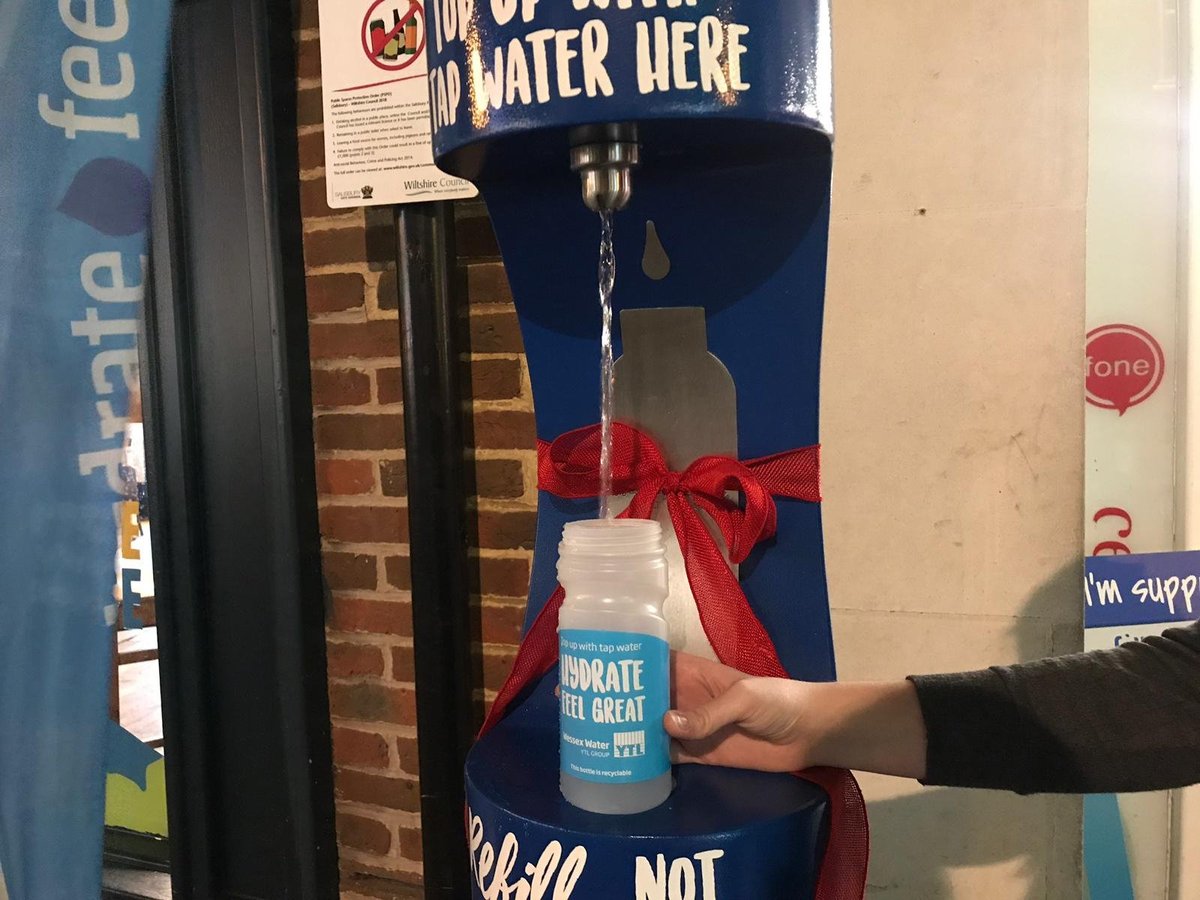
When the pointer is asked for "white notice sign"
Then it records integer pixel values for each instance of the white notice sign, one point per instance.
(374, 71)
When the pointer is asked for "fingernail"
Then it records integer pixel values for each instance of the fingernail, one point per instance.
(679, 719)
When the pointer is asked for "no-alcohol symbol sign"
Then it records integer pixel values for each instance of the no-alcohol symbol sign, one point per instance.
(1125, 366)
(393, 33)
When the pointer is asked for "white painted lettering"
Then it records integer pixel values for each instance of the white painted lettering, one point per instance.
(95, 329)
(550, 867)
(736, 49)
(504, 10)
(712, 42)
(1188, 586)
(111, 425)
(517, 74)
(708, 872)
(89, 27)
(72, 124)
(682, 881)
(110, 461)
(563, 54)
(541, 66)
(92, 86)
(125, 360)
(653, 57)
(681, 49)
(116, 290)
(595, 50)
(650, 884)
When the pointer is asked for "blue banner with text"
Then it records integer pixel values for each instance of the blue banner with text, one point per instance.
(1142, 589)
(80, 86)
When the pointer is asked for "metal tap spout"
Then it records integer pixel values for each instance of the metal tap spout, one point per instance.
(605, 156)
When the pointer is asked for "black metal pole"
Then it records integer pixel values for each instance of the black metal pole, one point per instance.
(434, 451)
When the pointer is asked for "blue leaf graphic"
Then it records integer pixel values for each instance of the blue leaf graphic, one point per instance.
(110, 195)
(125, 755)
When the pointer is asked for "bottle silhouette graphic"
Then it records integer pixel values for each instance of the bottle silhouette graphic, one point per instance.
(378, 37)
(410, 35)
(392, 49)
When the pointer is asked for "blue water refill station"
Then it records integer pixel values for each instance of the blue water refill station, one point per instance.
(707, 125)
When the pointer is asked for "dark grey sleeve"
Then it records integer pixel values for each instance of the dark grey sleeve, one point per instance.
(1119, 720)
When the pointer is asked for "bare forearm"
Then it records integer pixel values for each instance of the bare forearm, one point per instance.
(1119, 720)
(871, 727)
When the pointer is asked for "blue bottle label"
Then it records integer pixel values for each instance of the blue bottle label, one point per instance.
(614, 691)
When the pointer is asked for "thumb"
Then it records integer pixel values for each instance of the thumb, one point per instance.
(706, 720)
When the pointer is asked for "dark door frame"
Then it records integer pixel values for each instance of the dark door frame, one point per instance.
(230, 450)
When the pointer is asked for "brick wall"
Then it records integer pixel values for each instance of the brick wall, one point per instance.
(358, 419)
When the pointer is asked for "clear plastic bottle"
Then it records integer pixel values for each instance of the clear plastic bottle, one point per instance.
(614, 666)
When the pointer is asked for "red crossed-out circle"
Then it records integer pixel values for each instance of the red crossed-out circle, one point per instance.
(415, 8)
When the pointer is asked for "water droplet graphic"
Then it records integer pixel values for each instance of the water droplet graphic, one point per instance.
(655, 261)
(110, 195)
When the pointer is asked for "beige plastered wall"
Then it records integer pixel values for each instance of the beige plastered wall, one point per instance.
(952, 393)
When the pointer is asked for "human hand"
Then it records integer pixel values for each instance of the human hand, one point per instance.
(722, 717)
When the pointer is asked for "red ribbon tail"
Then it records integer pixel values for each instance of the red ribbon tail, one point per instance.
(735, 632)
(537, 655)
(843, 874)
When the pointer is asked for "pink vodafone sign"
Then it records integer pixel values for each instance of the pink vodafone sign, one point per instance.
(1125, 366)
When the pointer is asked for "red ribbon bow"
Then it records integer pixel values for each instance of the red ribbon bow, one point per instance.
(569, 468)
